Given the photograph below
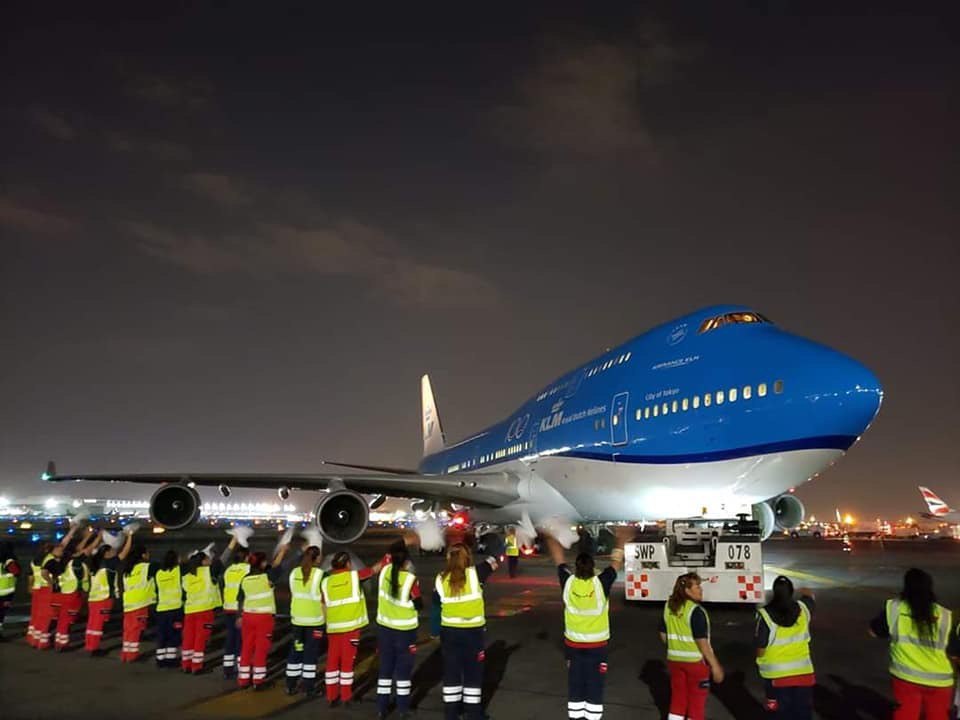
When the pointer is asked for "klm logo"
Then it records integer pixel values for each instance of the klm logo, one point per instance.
(551, 421)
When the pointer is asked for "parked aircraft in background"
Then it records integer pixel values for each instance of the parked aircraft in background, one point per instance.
(939, 510)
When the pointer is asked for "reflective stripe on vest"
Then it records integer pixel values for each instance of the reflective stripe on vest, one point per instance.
(586, 617)
(139, 590)
(681, 645)
(465, 609)
(231, 583)
(8, 581)
(202, 592)
(169, 595)
(399, 612)
(258, 595)
(914, 657)
(306, 601)
(788, 650)
(346, 605)
(100, 586)
(513, 547)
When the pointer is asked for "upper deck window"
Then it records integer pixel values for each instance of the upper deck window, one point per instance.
(734, 318)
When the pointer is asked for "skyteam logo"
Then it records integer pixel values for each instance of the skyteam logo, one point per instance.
(677, 334)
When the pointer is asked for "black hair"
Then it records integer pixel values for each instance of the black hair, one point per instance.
(340, 560)
(96, 559)
(398, 558)
(918, 594)
(584, 566)
(782, 608)
(136, 556)
(170, 560)
(310, 556)
(241, 552)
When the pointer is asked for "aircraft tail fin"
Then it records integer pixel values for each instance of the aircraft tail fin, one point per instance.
(937, 506)
(433, 438)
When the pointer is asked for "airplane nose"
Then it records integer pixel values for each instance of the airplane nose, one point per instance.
(858, 393)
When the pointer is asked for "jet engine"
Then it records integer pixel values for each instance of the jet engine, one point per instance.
(175, 506)
(342, 516)
(789, 511)
(763, 514)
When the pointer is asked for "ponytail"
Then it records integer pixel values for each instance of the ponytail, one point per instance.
(310, 556)
(398, 558)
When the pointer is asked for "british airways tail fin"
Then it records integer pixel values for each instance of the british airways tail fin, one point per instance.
(433, 438)
(937, 506)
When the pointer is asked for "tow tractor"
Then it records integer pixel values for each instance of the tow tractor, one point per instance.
(726, 554)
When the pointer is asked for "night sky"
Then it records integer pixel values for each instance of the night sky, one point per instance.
(234, 238)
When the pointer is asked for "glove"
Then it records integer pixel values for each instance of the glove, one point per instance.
(242, 533)
(560, 529)
(286, 537)
(208, 551)
(131, 528)
(79, 517)
(430, 536)
(114, 540)
(312, 535)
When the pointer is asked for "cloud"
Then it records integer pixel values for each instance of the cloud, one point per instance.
(188, 94)
(222, 189)
(53, 124)
(19, 217)
(585, 100)
(163, 150)
(346, 249)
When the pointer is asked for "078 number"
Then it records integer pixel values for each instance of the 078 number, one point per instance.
(738, 552)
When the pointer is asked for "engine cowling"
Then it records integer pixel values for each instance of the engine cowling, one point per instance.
(763, 514)
(342, 516)
(175, 506)
(789, 511)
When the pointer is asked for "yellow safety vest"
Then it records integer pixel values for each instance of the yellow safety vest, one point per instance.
(258, 595)
(306, 600)
(169, 595)
(513, 547)
(37, 570)
(202, 592)
(466, 609)
(916, 658)
(398, 613)
(788, 650)
(231, 583)
(69, 582)
(586, 610)
(139, 590)
(681, 646)
(8, 581)
(100, 586)
(346, 604)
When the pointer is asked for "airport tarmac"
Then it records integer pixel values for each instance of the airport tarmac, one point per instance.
(525, 675)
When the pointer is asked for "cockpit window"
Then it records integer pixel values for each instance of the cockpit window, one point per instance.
(734, 318)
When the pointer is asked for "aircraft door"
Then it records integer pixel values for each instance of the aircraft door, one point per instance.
(618, 418)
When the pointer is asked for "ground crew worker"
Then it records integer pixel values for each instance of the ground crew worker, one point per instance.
(39, 591)
(201, 586)
(918, 629)
(307, 622)
(46, 567)
(139, 592)
(346, 616)
(685, 629)
(104, 565)
(782, 640)
(512, 551)
(586, 627)
(459, 619)
(953, 650)
(257, 607)
(9, 572)
(398, 603)
(169, 611)
(235, 560)
(72, 583)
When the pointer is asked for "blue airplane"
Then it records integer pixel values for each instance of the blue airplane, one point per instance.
(714, 414)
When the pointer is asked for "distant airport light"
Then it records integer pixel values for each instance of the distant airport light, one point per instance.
(848, 519)
(50, 503)
(157, 530)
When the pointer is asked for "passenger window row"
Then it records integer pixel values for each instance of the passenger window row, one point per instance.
(706, 400)
(619, 360)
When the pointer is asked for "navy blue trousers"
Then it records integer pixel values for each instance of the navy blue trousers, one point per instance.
(231, 645)
(169, 628)
(397, 649)
(302, 659)
(463, 658)
(586, 672)
(789, 703)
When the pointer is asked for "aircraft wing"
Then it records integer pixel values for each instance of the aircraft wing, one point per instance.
(475, 489)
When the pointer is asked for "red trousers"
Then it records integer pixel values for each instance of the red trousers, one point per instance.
(689, 687)
(134, 623)
(37, 599)
(257, 637)
(46, 613)
(67, 615)
(913, 701)
(341, 654)
(197, 628)
(98, 612)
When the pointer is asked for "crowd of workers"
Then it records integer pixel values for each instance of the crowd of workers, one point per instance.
(330, 605)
